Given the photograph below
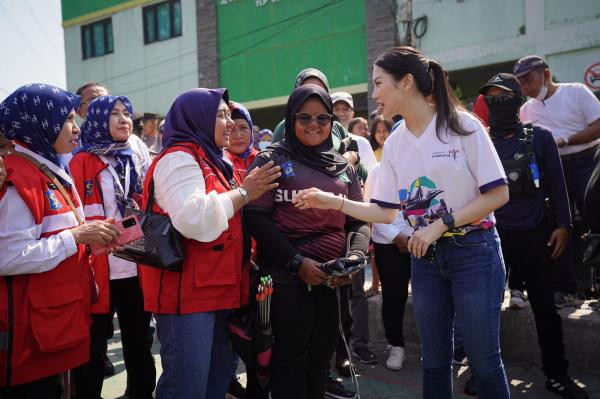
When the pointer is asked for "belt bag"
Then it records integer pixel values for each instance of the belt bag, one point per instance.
(520, 181)
(161, 246)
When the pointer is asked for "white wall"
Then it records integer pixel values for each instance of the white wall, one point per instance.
(150, 75)
(471, 33)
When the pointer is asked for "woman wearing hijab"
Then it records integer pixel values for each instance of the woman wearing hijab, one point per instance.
(265, 137)
(291, 245)
(110, 176)
(45, 278)
(241, 149)
(196, 186)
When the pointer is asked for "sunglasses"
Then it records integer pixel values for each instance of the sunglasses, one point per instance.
(500, 98)
(321, 119)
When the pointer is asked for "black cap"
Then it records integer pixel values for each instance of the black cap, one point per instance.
(310, 73)
(504, 81)
(148, 116)
(528, 64)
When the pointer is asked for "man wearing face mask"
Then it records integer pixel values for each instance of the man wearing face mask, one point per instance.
(572, 113)
(529, 238)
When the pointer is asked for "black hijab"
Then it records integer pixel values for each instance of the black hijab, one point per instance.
(321, 157)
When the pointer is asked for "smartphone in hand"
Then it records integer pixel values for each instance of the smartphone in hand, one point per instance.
(130, 229)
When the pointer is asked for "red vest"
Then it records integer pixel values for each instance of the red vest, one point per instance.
(213, 277)
(85, 169)
(45, 316)
(241, 164)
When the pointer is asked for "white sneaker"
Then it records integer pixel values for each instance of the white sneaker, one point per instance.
(395, 357)
(517, 299)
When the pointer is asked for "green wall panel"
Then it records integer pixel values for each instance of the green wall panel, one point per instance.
(76, 8)
(262, 48)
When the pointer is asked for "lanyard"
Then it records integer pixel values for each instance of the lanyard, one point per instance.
(115, 176)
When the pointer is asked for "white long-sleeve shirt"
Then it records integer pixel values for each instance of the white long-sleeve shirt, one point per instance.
(385, 233)
(180, 191)
(22, 251)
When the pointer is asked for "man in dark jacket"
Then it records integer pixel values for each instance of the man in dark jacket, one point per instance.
(531, 236)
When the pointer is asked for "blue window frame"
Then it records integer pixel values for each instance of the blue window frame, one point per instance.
(97, 39)
(162, 21)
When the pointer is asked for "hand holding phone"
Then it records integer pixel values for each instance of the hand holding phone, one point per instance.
(130, 231)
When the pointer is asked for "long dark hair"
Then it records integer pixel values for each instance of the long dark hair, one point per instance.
(378, 119)
(430, 79)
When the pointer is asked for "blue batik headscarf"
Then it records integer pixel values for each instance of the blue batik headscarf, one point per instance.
(238, 111)
(96, 139)
(192, 119)
(34, 116)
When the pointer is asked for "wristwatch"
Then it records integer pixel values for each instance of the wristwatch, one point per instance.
(565, 141)
(244, 194)
(294, 264)
(448, 220)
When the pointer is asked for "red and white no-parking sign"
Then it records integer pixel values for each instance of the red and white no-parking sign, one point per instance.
(591, 77)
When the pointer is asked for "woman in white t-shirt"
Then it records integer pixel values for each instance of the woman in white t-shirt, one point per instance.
(441, 170)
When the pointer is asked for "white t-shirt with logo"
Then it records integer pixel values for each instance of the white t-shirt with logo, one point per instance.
(568, 111)
(426, 177)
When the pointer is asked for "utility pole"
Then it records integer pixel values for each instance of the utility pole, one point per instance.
(406, 20)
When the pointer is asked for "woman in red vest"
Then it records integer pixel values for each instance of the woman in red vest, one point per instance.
(110, 177)
(202, 194)
(46, 282)
(241, 143)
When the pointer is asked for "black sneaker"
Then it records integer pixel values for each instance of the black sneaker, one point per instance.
(566, 387)
(471, 386)
(365, 355)
(109, 368)
(236, 389)
(459, 357)
(343, 367)
(336, 390)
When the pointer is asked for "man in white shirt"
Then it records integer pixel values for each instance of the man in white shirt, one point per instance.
(572, 113)
(343, 108)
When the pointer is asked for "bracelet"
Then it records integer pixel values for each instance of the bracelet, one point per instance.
(341, 206)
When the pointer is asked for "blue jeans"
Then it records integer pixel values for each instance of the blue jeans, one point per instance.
(467, 282)
(196, 355)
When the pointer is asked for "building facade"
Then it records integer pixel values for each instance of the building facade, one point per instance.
(152, 50)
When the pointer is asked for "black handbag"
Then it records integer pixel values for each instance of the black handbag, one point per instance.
(591, 256)
(161, 246)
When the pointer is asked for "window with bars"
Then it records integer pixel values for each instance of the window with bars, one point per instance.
(162, 21)
(97, 39)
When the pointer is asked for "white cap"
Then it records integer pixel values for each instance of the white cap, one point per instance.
(342, 96)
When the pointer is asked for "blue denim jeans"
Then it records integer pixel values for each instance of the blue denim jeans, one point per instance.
(466, 281)
(196, 355)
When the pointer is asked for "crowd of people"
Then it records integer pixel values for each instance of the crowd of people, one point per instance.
(456, 204)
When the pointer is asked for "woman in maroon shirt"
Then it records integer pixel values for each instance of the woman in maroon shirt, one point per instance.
(292, 244)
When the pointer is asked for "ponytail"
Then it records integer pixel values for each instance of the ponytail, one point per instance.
(430, 79)
(445, 101)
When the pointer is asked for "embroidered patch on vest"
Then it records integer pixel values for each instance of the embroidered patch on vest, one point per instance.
(88, 188)
(52, 200)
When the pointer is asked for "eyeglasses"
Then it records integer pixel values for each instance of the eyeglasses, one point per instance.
(321, 119)
(500, 98)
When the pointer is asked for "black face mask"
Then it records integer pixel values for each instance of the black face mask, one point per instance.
(503, 115)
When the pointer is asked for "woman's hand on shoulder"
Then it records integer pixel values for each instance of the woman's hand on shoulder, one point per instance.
(315, 198)
(101, 232)
(310, 272)
(262, 179)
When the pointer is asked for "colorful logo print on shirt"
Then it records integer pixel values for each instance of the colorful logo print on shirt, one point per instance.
(420, 204)
(53, 202)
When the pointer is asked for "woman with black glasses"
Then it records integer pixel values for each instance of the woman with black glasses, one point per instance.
(292, 244)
